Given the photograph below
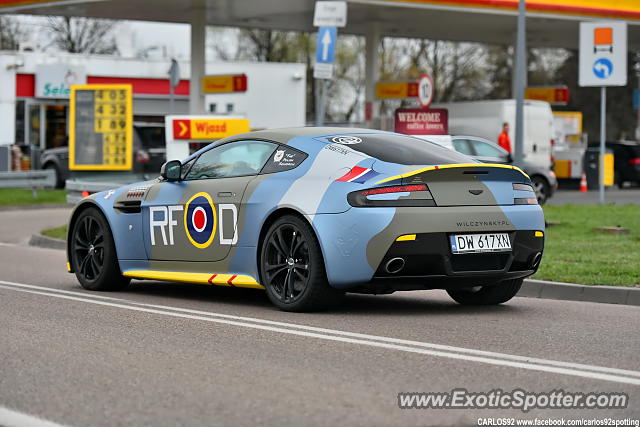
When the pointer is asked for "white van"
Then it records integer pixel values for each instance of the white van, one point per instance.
(485, 119)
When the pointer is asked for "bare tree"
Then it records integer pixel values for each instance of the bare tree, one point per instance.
(11, 33)
(82, 35)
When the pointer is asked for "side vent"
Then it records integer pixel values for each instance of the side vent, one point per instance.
(128, 206)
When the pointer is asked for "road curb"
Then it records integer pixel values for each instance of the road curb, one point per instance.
(544, 289)
(47, 242)
(36, 206)
(531, 288)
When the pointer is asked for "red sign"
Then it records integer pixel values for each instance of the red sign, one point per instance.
(224, 83)
(422, 121)
(553, 95)
(182, 129)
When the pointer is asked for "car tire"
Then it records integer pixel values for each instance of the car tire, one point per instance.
(541, 187)
(487, 295)
(292, 267)
(59, 181)
(93, 253)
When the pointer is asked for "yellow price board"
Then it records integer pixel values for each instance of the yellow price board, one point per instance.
(100, 127)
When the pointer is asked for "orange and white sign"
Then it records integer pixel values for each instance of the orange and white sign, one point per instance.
(396, 90)
(205, 128)
(224, 83)
(555, 95)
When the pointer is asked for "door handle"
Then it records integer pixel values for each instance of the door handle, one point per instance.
(226, 194)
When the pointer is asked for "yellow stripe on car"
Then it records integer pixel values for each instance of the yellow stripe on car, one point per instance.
(539, 234)
(452, 166)
(235, 280)
(406, 238)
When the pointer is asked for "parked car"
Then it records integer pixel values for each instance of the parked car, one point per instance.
(148, 151)
(485, 119)
(626, 161)
(543, 179)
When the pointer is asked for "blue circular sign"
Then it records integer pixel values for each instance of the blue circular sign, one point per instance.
(602, 68)
(200, 220)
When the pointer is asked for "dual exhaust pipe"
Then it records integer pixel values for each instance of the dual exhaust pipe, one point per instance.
(394, 265)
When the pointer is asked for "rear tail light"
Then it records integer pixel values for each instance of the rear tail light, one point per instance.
(525, 201)
(634, 161)
(522, 187)
(395, 196)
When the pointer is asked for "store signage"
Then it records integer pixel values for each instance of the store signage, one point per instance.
(55, 81)
(422, 121)
(190, 128)
(224, 83)
(554, 95)
(396, 90)
(100, 127)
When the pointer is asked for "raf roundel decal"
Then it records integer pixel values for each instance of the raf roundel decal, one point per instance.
(346, 140)
(200, 220)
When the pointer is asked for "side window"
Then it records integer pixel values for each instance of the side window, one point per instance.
(484, 149)
(462, 146)
(285, 158)
(238, 158)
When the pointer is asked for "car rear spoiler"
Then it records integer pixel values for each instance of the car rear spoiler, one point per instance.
(451, 166)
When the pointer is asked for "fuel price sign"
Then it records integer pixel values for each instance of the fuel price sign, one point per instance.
(100, 127)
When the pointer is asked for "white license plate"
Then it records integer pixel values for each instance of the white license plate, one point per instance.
(490, 242)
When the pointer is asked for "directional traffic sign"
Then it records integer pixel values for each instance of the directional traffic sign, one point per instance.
(326, 44)
(603, 54)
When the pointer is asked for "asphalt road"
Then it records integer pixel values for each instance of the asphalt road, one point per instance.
(168, 354)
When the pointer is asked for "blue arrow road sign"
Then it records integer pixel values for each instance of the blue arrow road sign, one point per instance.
(326, 45)
(602, 68)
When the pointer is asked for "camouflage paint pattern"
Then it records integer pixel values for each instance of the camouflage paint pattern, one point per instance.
(354, 240)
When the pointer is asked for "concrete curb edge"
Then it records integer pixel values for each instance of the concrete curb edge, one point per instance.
(533, 288)
(47, 242)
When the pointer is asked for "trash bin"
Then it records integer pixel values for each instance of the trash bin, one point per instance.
(592, 167)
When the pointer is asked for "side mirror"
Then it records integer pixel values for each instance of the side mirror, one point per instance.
(509, 158)
(171, 170)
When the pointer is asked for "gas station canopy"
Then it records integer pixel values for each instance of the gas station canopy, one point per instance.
(552, 23)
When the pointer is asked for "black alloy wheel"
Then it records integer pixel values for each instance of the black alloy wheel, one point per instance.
(287, 263)
(292, 267)
(88, 247)
(93, 254)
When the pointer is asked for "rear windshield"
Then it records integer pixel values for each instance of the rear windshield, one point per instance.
(402, 149)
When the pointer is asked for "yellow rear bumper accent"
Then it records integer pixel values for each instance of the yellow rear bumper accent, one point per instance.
(456, 165)
(406, 238)
(235, 280)
(539, 234)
